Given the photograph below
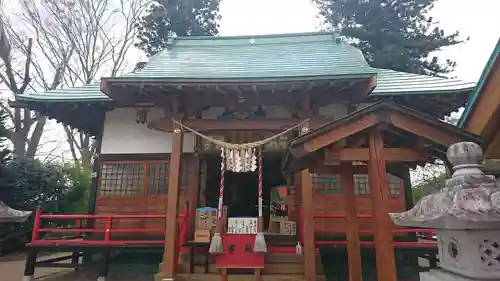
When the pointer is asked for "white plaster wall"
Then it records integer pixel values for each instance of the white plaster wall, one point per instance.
(122, 135)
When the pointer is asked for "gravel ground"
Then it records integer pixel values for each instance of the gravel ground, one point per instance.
(12, 269)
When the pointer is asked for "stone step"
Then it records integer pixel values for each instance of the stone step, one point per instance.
(245, 277)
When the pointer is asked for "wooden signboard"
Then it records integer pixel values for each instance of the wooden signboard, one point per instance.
(242, 225)
(206, 218)
(238, 252)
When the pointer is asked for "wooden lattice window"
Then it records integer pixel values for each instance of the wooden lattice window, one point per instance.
(327, 184)
(362, 186)
(395, 185)
(133, 178)
(158, 178)
(121, 179)
(331, 184)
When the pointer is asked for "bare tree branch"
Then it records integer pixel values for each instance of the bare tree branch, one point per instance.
(74, 42)
(38, 54)
(101, 33)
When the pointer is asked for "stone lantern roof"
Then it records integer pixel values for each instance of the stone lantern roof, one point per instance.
(470, 199)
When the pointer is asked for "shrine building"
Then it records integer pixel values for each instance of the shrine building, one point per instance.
(255, 156)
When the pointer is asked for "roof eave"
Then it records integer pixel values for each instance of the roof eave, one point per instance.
(225, 80)
(21, 100)
(430, 92)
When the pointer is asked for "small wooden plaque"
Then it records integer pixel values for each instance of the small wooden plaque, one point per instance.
(288, 228)
(202, 235)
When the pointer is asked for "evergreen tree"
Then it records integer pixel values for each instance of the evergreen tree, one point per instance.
(392, 34)
(184, 18)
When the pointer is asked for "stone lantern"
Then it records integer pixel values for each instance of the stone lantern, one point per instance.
(466, 216)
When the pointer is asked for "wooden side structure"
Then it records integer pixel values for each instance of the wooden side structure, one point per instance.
(378, 134)
(482, 114)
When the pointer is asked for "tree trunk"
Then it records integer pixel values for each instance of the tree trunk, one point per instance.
(35, 137)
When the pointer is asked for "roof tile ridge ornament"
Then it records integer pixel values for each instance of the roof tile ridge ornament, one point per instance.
(469, 200)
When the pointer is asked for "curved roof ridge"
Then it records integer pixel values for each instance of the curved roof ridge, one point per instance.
(256, 36)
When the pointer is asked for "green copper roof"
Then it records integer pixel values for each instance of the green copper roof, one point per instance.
(253, 58)
(475, 94)
(263, 58)
(390, 82)
(86, 93)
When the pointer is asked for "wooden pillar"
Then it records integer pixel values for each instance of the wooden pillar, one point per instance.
(353, 248)
(407, 188)
(96, 171)
(379, 186)
(169, 258)
(297, 198)
(308, 225)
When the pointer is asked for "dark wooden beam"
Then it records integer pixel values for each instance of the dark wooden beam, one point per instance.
(365, 90)
(412, 125)
(96, 171)
(379, 185)
(308, 225)
(336, 170)
(171, 230)
(393, 169)
(493, 147)
(363, 154)
(351, 211)
(341, 132)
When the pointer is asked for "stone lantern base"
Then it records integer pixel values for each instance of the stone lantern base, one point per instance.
(441, 275)
(470, 253)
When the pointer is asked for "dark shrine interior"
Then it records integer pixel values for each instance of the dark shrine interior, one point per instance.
(241, 189)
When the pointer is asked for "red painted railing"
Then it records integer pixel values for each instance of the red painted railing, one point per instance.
(108, 229)
(427, 231)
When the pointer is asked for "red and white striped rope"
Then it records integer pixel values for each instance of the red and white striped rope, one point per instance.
(221, 189)
(260, 182)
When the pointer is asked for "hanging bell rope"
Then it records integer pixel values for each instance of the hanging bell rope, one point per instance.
(260, 241)
(216, 246)
(241, 146)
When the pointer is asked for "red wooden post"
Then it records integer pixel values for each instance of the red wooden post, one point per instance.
(78, 225)
(377, 177)
(107, 233)
(171, 239)
(352, 231)
(301, 227)
(308, 228)
(36, 225)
